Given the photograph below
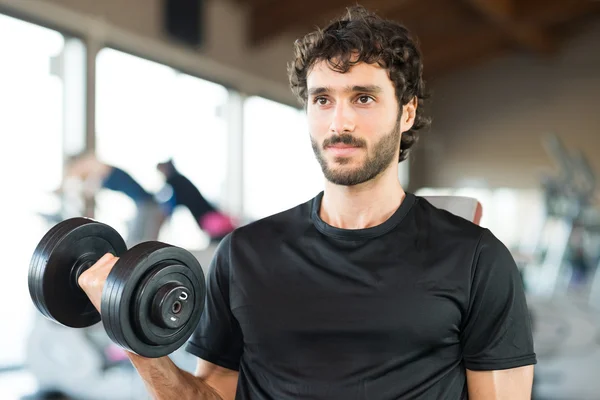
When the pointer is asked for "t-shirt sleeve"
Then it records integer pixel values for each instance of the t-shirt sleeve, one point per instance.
(218, 337)
(497, 331)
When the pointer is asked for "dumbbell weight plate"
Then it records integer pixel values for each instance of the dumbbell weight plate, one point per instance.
(153, 299)
(63, 253)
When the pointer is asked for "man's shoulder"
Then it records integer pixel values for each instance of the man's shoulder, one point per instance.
(458, 233)
(440, 221)
(276, 224)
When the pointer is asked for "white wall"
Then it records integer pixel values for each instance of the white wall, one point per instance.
(488, 121)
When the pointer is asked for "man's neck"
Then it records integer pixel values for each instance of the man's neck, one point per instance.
(362, 206)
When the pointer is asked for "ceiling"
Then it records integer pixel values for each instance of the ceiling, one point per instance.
(453, 34)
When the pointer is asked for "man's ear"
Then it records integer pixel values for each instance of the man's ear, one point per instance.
(409, 113)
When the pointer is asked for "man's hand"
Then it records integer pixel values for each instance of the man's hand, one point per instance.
(92, 281)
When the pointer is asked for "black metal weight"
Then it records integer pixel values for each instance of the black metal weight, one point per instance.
(152, 299)
(68, 249)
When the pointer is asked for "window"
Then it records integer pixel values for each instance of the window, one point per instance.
(147, 113)
(33, 103)
(280, 169)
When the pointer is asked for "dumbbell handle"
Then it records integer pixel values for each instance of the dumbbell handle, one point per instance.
(85, 262)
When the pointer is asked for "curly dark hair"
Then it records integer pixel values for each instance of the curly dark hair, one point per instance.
(362, 36)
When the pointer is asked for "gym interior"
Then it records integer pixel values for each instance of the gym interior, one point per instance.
(203, 83)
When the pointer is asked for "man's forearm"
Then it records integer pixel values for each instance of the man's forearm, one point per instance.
(166, 381)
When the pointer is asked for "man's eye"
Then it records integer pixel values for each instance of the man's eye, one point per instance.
(322, 101)
(365, 99)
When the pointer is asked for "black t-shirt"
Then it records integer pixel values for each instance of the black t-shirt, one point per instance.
(305, 310)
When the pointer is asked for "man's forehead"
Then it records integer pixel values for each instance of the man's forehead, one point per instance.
(329, 66)
(323, 74)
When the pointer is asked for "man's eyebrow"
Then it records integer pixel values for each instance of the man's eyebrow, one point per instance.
(318, 90)
(371, 89)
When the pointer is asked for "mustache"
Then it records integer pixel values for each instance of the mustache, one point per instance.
(346, 139)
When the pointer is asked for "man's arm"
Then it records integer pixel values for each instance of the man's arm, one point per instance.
(165, 381)
(507, 384)
(223, 380)
(497, 339)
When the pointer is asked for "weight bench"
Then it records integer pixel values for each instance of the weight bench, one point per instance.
(465, 207)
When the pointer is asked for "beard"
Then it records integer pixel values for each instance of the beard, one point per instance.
(379, 157)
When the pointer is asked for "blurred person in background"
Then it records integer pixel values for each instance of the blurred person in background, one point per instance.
(212, 221)
(86, 174)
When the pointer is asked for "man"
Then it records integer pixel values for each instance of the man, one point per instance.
(210, 220)
(366, 291)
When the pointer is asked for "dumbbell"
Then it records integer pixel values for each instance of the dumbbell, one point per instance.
(153, 297)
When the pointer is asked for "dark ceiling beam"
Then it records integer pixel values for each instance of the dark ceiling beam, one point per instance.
(435, 17)
(272, 19)
(452, 34)
(503, 14)
(257, 3)
(546, 12)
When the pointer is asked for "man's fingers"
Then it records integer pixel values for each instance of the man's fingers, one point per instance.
(92, 281)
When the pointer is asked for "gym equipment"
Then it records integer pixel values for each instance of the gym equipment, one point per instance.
(465, 207)
(571, 217)
(152, 299)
